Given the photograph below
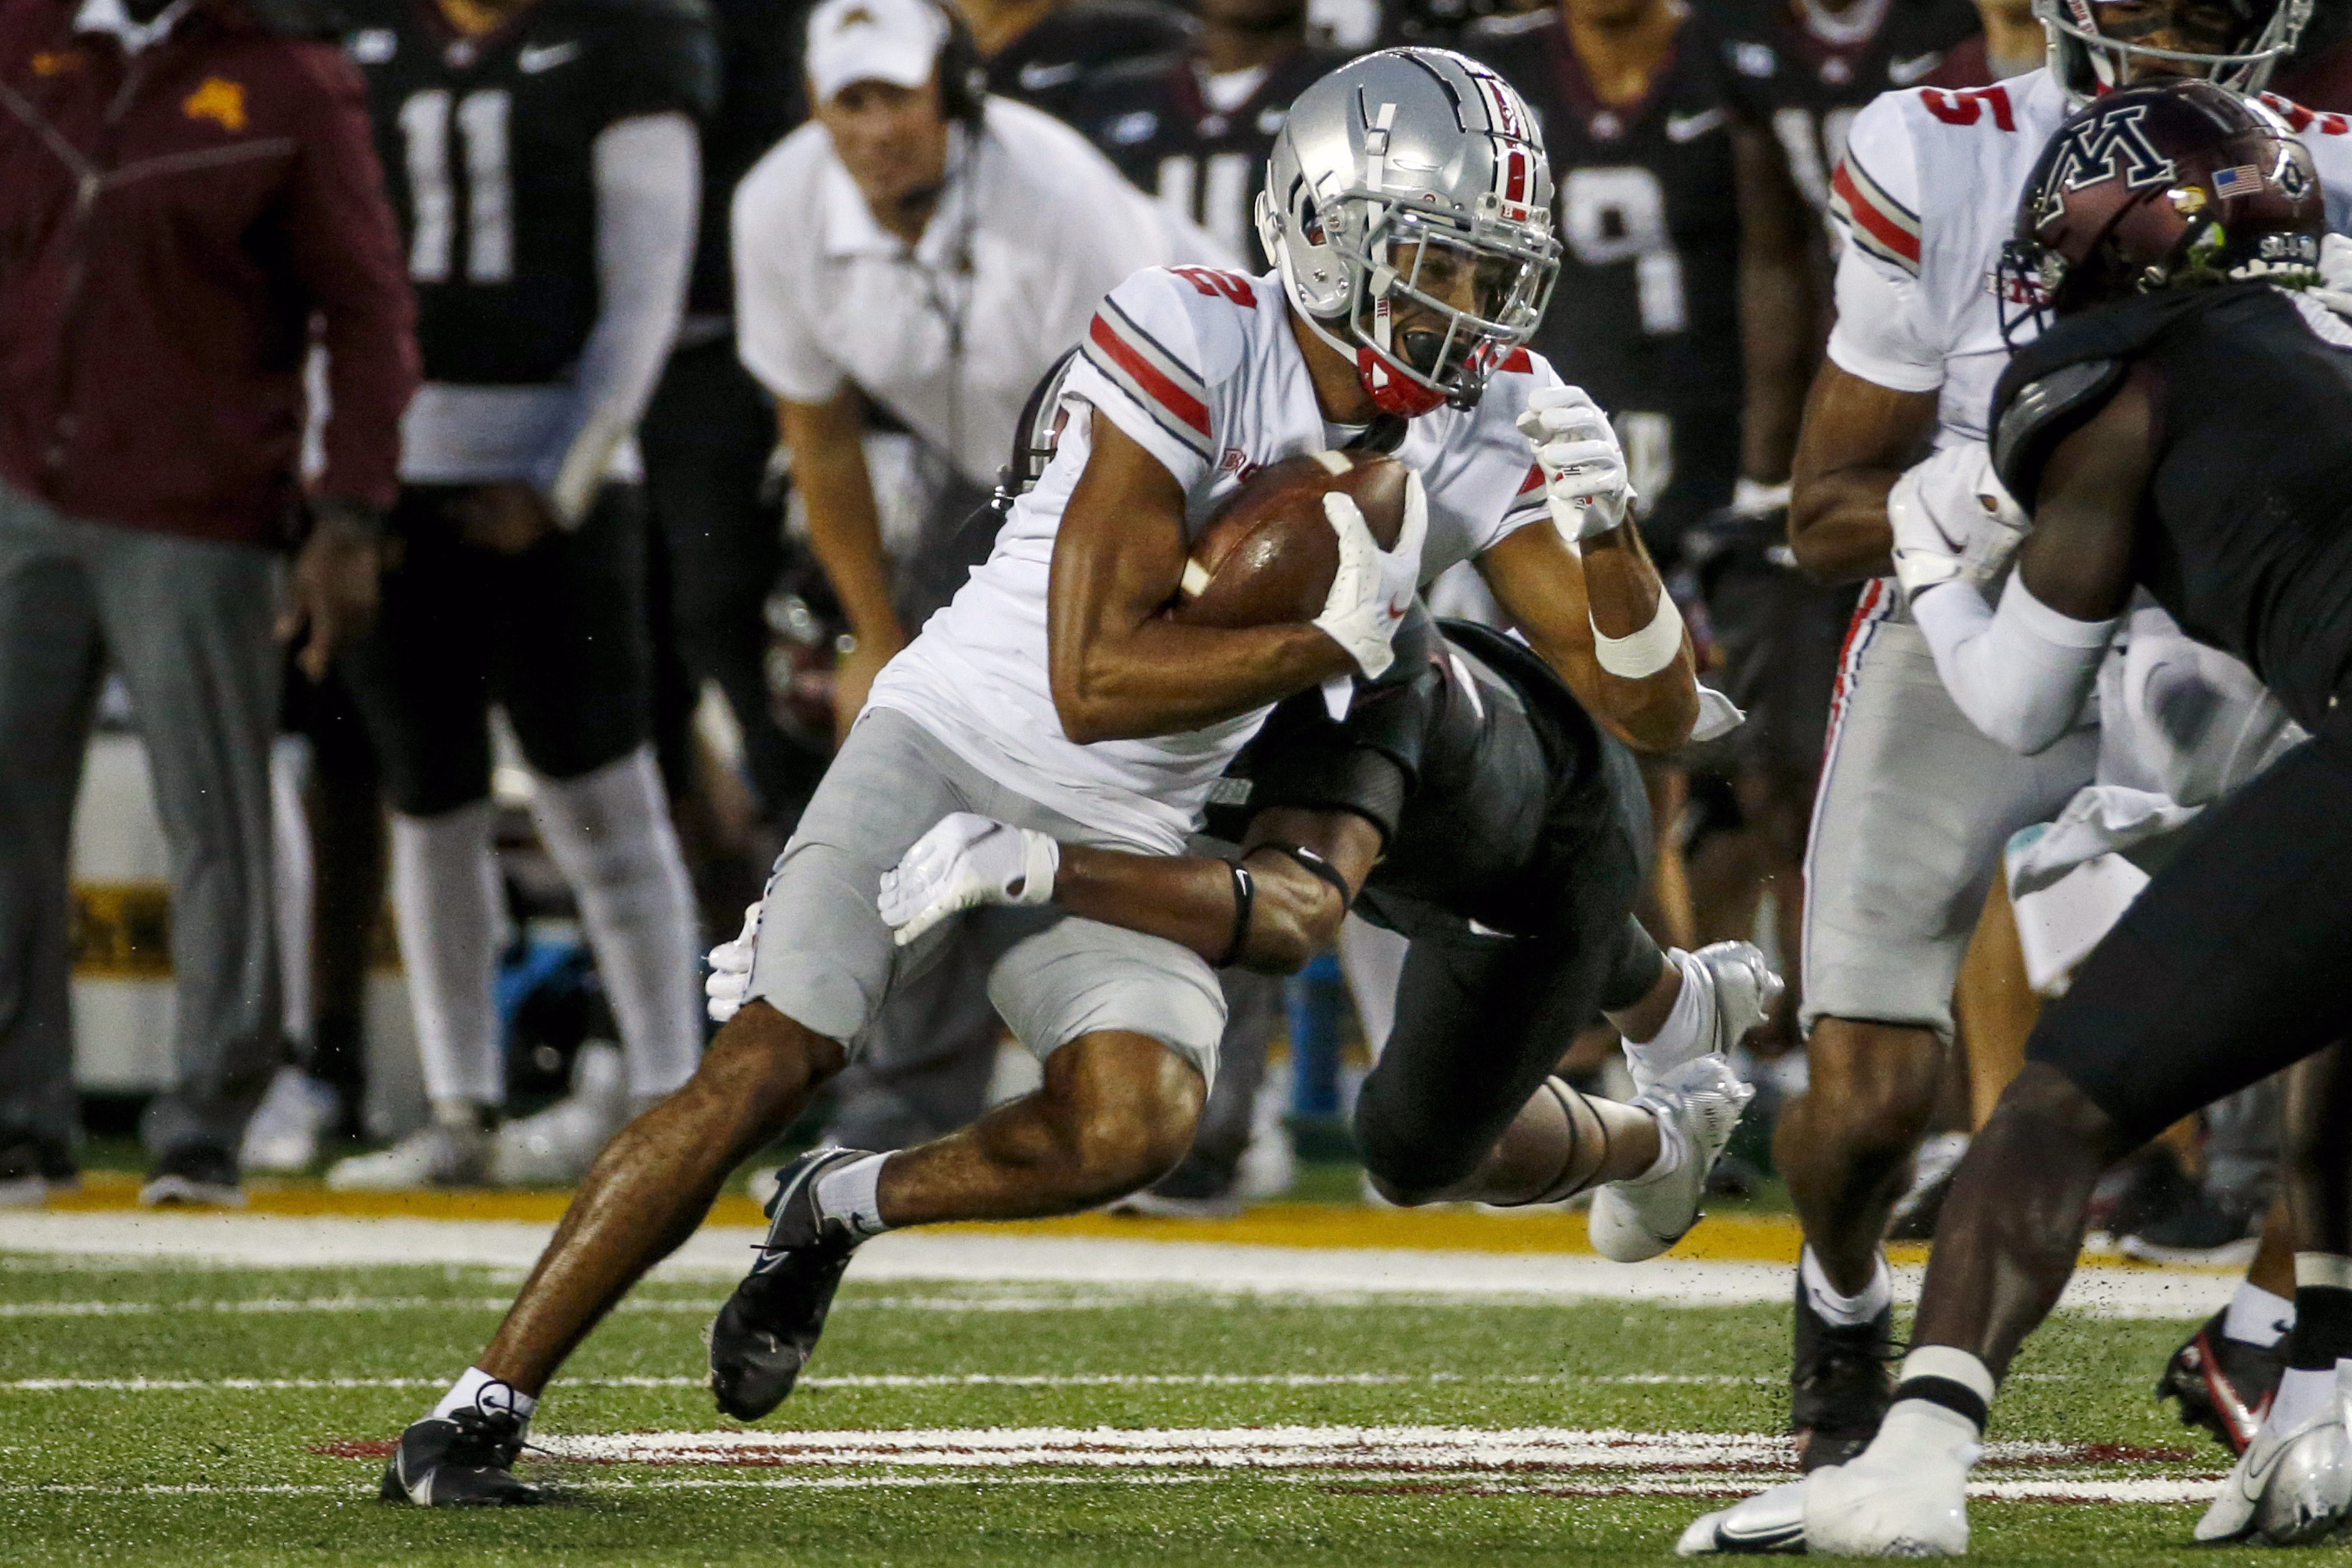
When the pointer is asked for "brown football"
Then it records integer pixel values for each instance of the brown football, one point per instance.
(1267, 556)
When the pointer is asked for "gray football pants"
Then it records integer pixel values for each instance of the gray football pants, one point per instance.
(187, 624)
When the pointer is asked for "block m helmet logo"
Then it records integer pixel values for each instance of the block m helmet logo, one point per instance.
(2114, 144)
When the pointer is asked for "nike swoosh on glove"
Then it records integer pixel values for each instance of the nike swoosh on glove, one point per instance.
(1373, 588)
(965, 861)
(1586, 484)
(729, 984)
(1953, 521)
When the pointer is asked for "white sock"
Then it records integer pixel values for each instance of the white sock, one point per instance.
(852, 1192)
(610, 832)
(294, 882)
(1683, 1034)
(479, 1389)
(1673, 1149)
(446, 905)
(2258, 1317)
(1921, 1429)
(1845, 1312)
(2301, 1395)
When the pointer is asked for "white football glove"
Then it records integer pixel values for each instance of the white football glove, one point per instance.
(1953, 521)
(729, 985)
(1585, 481)
(1373, 588)
(2335, 289)
(965, 861)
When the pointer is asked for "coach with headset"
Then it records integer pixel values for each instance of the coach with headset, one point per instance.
(925, 252)
(959, 246)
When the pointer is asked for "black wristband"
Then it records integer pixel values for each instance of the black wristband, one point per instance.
(1245, 895)
(1318, 865)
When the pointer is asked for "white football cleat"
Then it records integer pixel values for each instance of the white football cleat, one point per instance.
(1742, 990)
(1857, 1509)
(555, 1146)
(283, 1135)
(1772, 1522)
(2288, 1488)
(435, 1155)
(1697, 1105)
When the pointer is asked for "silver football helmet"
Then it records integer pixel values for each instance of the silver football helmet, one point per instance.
(2089, 59)
(1408, 207)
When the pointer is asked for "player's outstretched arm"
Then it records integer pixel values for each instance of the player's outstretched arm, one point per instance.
(1269, 910)
(1560, 600)
(1857, 439)
(1120, 668)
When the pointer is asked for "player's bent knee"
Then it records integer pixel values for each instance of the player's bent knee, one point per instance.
(1871, 1082)
(1408, 1162)
(1126, 1106)
(765, 1061)
(2043, 1112)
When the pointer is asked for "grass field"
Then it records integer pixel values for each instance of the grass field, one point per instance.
(165, 1409)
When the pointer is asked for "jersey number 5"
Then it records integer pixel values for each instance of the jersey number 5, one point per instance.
(480, 118)
(1620, 214)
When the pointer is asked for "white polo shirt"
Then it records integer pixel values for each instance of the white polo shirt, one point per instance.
(1033, 228)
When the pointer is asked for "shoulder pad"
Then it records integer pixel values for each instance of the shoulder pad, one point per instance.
(1875, 191)
(1199, 316)
(2303, 121)
(2032, 418)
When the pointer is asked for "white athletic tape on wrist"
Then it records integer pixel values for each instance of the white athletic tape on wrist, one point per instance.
(1646, 652)
(1042, 857)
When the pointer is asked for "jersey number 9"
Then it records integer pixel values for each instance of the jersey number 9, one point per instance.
(1620, 214)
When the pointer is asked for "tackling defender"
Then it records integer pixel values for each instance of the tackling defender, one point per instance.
(1468, 803)
(1408, 207)
(1914, 803)
(2178, 431)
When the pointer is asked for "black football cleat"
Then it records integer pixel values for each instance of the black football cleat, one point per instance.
(461, 1460)
(2224, 1384)
(765, 1335)
(1840, 1385)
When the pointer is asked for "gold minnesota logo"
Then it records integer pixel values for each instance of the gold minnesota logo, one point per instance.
(219, 99)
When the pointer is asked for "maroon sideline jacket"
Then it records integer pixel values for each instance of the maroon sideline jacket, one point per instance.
(170, 223)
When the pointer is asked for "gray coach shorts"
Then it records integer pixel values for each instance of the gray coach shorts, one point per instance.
(827, 960)
(1913, 808)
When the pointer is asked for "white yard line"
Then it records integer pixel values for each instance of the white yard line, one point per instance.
(1329, 1275)
(2038, 1490)
(1473, 1450)
(909, 1380)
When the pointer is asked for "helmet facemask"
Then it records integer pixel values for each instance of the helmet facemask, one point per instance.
(2089, 57)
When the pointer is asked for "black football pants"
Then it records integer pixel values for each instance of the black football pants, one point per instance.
(555, 635)
(1482, 1021)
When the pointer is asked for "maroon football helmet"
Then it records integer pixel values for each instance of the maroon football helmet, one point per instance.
(2164, 185)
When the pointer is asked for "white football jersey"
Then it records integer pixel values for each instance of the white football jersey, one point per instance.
(1926, 196)
(1198, 367)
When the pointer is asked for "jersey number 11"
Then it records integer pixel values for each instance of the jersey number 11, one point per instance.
(481, 123)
